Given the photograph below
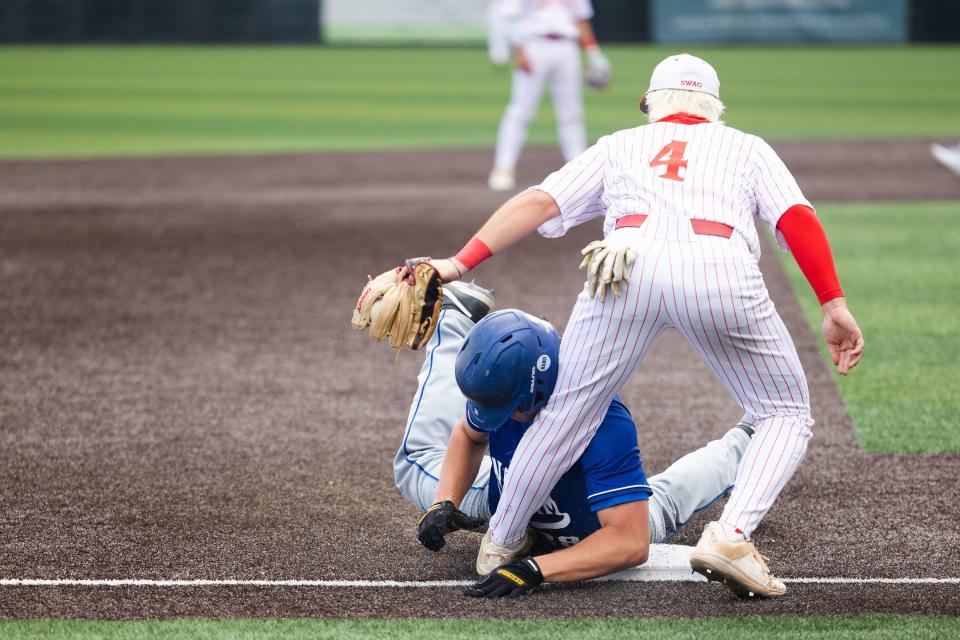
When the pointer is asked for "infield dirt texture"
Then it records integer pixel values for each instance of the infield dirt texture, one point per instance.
(183, 397)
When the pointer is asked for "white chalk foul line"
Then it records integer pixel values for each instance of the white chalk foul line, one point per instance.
(226, 582)
(367, 584)
(872, 580)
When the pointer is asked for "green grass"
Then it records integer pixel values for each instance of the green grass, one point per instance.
(95, 101)
(874, 627)
(899, 265)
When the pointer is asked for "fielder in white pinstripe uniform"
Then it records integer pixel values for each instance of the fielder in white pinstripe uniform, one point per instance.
(545, 37)
(678, 198)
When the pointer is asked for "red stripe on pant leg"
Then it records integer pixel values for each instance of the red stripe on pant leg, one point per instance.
(632, 363)
(565, 405)
(745, 491)
(750, 503)
(744, 470)
(563, 411)
(781, 341)
(688, 327)
(551, 470)
(754, 502)
(779, 481)
(546, 426)
(763, 479)
(729, 370)
(720, 338)
(772, 483)
(753, 331)
(537, 432)
(792, 360)
(758, 452)
(722, 371)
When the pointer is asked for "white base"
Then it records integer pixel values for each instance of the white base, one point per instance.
(667, 562)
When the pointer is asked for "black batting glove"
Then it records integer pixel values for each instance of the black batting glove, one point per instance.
(439, 520)
(510, 580)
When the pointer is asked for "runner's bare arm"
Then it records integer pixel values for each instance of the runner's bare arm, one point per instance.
(623, 541)
(462, 462)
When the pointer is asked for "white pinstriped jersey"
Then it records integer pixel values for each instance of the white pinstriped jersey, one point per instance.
(542, 17)
(705, 287)
(707, 171)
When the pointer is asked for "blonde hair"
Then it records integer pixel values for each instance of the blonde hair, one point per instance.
(666, 102)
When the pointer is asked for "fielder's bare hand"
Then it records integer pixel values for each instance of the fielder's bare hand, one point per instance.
(443, 518)
(447, 268)
(521, 60)
(842, 335)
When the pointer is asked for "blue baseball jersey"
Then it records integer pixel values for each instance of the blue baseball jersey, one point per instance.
(610, 472)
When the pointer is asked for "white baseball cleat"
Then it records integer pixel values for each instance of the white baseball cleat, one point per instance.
(502, 180)
(492, 554)
(730, 558)
(947, 156)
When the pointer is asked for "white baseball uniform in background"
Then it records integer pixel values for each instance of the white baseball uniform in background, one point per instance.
(548, 32)
(709, 288)
(948, 156)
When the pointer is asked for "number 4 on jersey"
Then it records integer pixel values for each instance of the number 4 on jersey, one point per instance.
(671, 156)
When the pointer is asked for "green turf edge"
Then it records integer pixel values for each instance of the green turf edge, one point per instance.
(874, 627)
(899, 264)
(96, 101)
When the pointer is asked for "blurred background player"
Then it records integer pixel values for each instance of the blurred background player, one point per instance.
(947, 156)
(512, 343)
(544, 37)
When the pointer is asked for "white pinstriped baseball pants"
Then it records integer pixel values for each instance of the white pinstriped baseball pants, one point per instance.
(711, 290)
(690, 484)
(555, 63)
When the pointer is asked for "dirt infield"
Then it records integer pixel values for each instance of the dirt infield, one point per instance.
(182, 395)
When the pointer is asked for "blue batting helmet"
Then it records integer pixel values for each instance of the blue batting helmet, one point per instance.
(507, 363)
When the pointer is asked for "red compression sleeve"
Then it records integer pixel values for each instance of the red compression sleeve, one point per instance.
(811, 249)
(473, 253)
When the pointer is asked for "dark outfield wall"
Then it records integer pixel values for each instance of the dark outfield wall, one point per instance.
(621, 20)
(159, 21)
(299, 20)
(935, 21)
(222, 20)
(630, 21)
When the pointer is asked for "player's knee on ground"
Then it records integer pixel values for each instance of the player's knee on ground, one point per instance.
(657, 519)
(413, 482)
(405, 485)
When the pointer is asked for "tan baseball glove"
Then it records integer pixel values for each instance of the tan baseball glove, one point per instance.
(405, 313)
(606, 266)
